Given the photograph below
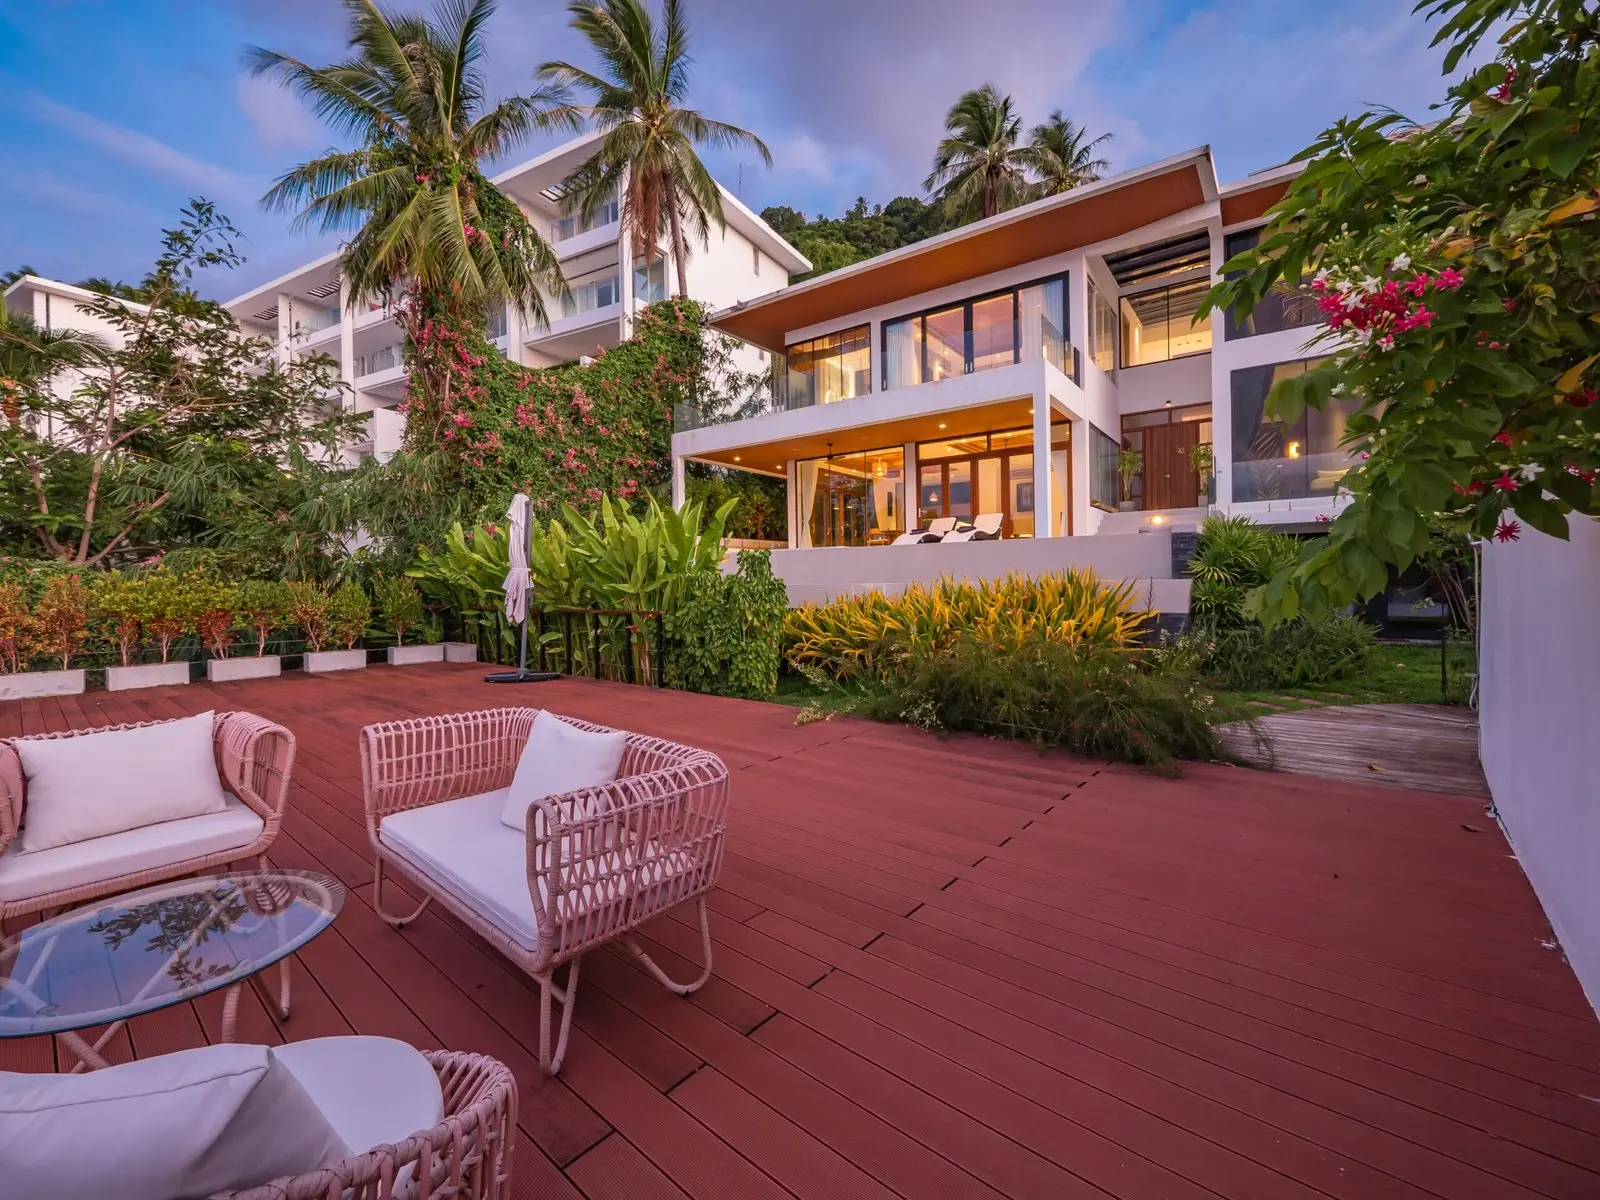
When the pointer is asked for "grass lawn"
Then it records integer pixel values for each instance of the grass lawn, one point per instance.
(1397, 674)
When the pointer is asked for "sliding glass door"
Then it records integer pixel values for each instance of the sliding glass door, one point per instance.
(1018, 325)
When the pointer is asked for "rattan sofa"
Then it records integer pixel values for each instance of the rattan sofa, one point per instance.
(254, 759)
(434, 789)
(468, 1153)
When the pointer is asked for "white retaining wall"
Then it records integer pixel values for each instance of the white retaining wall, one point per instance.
(1145, 559)
(1539, 715)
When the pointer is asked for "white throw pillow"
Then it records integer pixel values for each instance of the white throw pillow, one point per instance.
(561, 758)
(178, 1125)
(101, 783)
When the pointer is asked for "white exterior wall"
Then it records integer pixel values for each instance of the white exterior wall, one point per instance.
(1539, 709)
(1141, 559)
(57, 307)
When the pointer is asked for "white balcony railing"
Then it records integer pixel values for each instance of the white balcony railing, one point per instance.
(315, 322)
(379, 360)
(574, 224)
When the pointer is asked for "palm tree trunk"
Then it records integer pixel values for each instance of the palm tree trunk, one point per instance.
(675, 224)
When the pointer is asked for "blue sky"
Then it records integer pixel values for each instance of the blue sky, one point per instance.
(120, 109)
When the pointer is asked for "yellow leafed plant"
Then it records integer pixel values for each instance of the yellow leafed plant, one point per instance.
(871, 634)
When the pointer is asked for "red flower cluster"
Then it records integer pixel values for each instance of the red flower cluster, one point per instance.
(1508, 531)
(1381, 310)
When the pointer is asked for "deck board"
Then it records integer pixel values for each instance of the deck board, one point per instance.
(963, 969)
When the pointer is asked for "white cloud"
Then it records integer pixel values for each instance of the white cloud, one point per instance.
(140, 150)
(277, 117)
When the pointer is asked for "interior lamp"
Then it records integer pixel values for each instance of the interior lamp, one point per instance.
(1293, 449)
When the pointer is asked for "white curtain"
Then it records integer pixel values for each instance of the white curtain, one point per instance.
(806, 473)
(903, 353)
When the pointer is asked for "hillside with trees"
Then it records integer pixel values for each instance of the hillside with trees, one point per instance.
(834, 242)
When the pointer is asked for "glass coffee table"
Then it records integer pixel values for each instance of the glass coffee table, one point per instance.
(147, 950)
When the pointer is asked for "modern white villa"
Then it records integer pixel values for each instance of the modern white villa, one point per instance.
(309, 310)
(998, 371)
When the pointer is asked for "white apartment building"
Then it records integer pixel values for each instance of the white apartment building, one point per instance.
(309, 310)
(57, 306)
(998, 370)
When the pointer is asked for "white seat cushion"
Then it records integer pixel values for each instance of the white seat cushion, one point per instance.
(560, 758)
(176, 1125)
(43, 872)
(465, 848)
(374, 1091)
(97, 784)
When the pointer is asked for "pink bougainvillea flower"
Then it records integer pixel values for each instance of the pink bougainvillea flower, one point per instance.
(1508, 531)
(491, 530)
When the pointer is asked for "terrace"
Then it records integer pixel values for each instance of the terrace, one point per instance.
(959, 968)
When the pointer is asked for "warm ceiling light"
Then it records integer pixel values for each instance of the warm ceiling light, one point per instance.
(735, 458)
(1158, 519)
(941, 424)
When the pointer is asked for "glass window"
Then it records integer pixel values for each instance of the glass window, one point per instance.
(650, 283)
(946, 350)
(1278, 310)
(1102, 330)
(853, 499)
(958, 483)
(902, 353)
(1019, 484)
(836, 366)
(993, 331)
(1160, 325)
(1042, 323)
(1277, 461)
(497, 323)
(1104, 486)
(994, 337)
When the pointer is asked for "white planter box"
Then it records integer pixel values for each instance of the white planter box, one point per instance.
(335, 660)
(30, 684)
(460, 652)
(228, 670)
(405, 656)
(146, 675)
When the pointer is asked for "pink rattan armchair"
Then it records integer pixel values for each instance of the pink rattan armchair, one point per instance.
(254, 759)
(467, 1156)
(654, 842)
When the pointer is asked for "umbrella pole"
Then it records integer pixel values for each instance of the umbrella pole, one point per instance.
(522, 674)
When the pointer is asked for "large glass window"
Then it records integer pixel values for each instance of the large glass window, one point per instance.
(1160, 325)
(650, 283)
(990, 473)
(1104, 486)
(853, 499)
(573, 224)
(1102, 330)
(835, 366)
(1278, 310)
(1273, 460)
(991, 331)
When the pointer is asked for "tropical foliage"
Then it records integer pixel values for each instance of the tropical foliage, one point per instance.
(426, 224)
(872, 635)
(724, 631)
(1232, 557)
(979, 169)
(1456, 265)
(178, 430)
(1088, 700)
(648, 152)
(862, 232)
(1062, 155)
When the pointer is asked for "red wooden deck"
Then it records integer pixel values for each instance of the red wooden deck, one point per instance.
(960, 969)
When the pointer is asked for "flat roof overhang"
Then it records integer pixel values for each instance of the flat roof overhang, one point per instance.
(773, 457)
(1094, 213)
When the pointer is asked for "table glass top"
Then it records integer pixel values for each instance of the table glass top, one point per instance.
(157, 947)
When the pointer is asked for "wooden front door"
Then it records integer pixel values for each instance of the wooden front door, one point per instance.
(1170, 480)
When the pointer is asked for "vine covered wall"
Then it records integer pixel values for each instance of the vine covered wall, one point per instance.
(570, 434)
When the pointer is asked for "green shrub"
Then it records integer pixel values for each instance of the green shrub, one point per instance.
(1089, 700)
(216, 606)
(1233, 556)
(170, 606)
(308, 608)
(869, 635)
(263, 609)
(723, 631)
(118, 605)
(1296, 653)
(349, 612)
(400, 603)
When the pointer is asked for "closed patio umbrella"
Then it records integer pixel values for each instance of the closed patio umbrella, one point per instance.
(518, 581)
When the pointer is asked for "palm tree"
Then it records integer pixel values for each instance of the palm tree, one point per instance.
(428, 222)
(647, 152)
(978, 169)
(30, 356)
(1061, 153)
